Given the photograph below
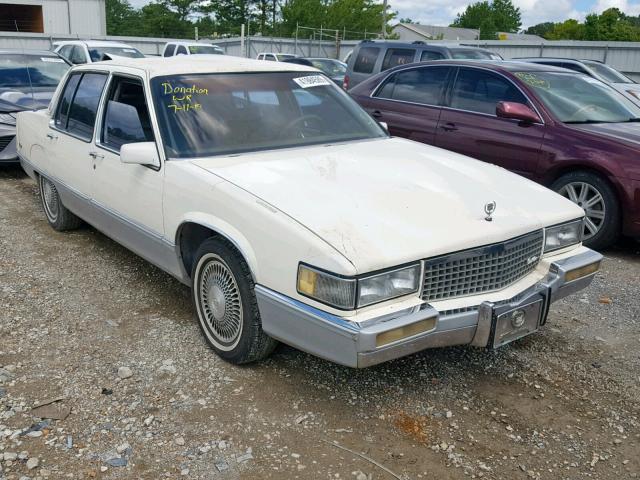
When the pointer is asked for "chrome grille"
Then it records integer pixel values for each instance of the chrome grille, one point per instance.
(483, 269)
(4, 141)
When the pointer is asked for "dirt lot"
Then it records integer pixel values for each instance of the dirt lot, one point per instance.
(75, 308)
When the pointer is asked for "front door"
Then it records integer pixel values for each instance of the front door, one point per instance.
(130, 196)
(409, 102)
(469, 125)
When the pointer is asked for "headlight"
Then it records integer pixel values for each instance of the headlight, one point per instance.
(381, 287)
(560, 236)
(348, 293)
(7, 119)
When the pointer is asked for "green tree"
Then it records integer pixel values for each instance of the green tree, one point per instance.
(541, 29)
(611, 25)
(231, 14)
(567, 30)
(184, 8)
(488, 30)
(122, 18)
(157, 20)
(499, 15)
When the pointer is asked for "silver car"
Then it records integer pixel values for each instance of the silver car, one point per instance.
(28, 79)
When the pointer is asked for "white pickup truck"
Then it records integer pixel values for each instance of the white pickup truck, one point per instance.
(292, 214)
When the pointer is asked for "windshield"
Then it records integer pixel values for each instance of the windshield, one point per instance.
(284, 56)
(21, 72)
(609, 74)
(96, 53)
(204, 50)
(578, 98)
(468, 53)
(333, 68)
(213, 114)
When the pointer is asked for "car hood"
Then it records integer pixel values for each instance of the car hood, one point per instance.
(389, 201)
(26, 99)
(625, 132)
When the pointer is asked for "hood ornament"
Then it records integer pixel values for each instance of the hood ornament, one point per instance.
(489, 208)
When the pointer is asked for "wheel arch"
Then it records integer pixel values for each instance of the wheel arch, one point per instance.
(576, 166)
(197, 228)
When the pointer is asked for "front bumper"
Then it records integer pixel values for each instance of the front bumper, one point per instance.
(356, 345)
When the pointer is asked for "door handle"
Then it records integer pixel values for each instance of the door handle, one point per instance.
(51, 136)
(449, 127)
(376, 114)
(95, 155)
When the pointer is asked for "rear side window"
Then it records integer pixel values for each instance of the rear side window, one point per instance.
(168, 52)
(82, 112)
(397, 56)
(62, 112)
(366, 59)
(480, 91)
(429, 55)
(418, 85)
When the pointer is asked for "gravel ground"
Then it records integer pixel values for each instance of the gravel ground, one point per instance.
(113, 344)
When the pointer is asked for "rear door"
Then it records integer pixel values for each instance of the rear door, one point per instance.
(70, 133)
(409, 102)
(469, 125)
(363, 64)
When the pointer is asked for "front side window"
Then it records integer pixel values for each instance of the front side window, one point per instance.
(608, 73)
(471, 54)
(397, 56)
(126, 117)
(333, 68)
(576, 98)
(84, 106)
(480, 91)
(429, 55)
(418, 85)
(77, 55)
(169, 49)
(366, 59)
(98, 54)
(215, 114)
(204, 50)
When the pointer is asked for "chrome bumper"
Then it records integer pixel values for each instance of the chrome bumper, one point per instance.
(348, 343)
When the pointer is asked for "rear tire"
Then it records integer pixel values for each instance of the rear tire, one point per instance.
(598, 199)
(226, 305)
(59, 217)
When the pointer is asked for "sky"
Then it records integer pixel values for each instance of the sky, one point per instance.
(442, 12)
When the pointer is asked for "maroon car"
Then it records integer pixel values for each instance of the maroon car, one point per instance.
(558, 127)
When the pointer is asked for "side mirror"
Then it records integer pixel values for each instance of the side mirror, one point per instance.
(517, 111)
(141, 153)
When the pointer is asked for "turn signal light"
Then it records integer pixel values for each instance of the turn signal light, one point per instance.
(577, 273)
(410, 330)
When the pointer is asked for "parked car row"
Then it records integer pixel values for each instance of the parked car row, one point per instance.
(295, 217)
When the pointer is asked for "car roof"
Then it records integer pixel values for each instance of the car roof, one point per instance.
(191, 44)
(417, 44)
(497, 65)
(93, 43)
(194, 64)
(27, 51)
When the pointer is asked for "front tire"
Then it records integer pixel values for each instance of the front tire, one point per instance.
(598, 199)
(59, 217)
(226, 305)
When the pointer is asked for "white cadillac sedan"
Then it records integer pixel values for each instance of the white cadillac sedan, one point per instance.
(292, 214)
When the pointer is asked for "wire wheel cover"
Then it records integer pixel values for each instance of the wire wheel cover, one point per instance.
(220, 301)
(50, 199)
(590, 199)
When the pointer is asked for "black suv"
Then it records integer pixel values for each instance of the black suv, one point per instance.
(375, 56)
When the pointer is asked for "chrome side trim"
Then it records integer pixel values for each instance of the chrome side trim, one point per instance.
(149, 245)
